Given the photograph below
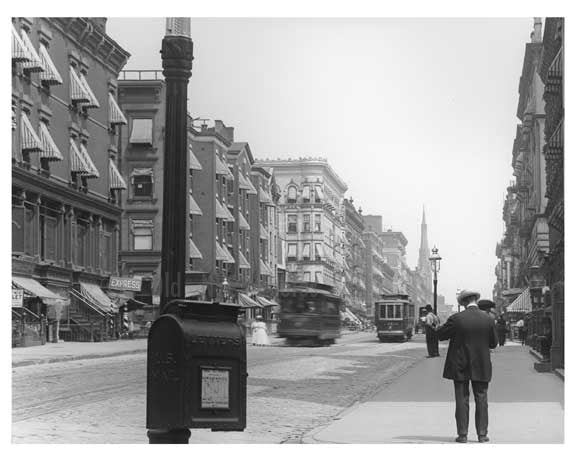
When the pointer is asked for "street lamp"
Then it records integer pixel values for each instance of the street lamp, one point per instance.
(458, 290)
(225, 289)
(435, 261)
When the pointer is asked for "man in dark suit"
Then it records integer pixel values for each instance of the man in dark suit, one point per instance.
(472, 334)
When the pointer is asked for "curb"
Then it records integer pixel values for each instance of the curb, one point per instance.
(24, 363)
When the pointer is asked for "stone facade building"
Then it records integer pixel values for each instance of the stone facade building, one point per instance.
(65, 178)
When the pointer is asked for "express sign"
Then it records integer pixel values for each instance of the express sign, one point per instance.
(130, 284)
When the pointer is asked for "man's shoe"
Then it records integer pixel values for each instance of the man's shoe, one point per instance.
(461, 439)
(483, 439)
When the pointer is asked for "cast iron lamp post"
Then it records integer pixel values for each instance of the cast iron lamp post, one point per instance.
(225, 289)
(435, 261)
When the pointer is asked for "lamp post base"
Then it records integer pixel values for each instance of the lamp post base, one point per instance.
(170, 436)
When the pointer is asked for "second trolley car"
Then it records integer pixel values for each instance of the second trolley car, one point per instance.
(394, 317)
(309, 314)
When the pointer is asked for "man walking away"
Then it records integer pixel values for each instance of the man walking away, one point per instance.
(431, 322)
(472, 334)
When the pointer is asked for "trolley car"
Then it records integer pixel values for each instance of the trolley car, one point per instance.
(309, 314)
(394, 317)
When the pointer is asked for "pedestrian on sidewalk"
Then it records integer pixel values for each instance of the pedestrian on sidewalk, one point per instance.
(431, 322)
(259, 333)
(502, 329)
(521, 330)
(472, 334)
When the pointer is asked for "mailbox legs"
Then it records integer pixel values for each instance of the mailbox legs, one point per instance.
(175, 436)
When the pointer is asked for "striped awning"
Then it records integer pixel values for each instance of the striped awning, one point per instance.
(242, 223)
(243, 262)
(265, 301)
(116, 180)
(194, 251)
(35, 63)
(29, 140)
(50, 75)
(116, 117)
(319, 193)
(77, 92)
(33, 288)
(93, 102)
(141, 131)
(194, 164)
(77, 163)
(95, 294)
(263, 233)
(229, 258)
(246, 184)
(223, 213)
(264, 196)
(246, 301)
(522, 303)
(222, 254)
(50, 150)
(264, 269)
(93, 171)
(222, 169)
(19, 51)
(193, 209)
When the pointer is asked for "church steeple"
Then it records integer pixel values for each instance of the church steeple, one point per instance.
(423, 261)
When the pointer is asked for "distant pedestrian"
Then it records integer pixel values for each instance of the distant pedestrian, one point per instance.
(431, 322)
(521, 330)
(259, 333)
(472, 334)
(502, 329)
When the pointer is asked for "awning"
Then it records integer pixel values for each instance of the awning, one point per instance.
(194, 251)
(50, 75)
(116, 179)
(375, 271)
(34, 288)
(223, 213)
(93, 171)
(222, 169)
(50, 150)
(29, 140)
(264, 196)
(93, 103)
(229, 258)
(265, 301)
(116, 117)
(194, 290)
(141, 131)
(19, 51)
(246, 301)
(243, 224)
(95, 294)
(193, 163)
(220, 253)
(319, 193)
(263, 233)
(522, 303)
(35, 63)
(77, 164)
(243, 263)
(264, 269)
(77, 92)
(194, 209)
(246, 184)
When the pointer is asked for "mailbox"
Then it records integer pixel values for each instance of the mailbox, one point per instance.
(196, 368)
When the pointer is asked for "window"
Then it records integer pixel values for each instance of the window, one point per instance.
(319, 194)
(318, 277)
(48, 226)
(307, 223)
(29, 231)
(306, 194)
(143, 182)
(306, 252)
(317, 223)
(106, 249)
(17, 229)
(292, 223)
(292, 251)
(142, 231)
(141, 131)
(80, 244)
(307, 276)
(319, 251)
(292, 194)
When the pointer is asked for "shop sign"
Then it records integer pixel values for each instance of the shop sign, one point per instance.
(129, 284)
(17, 298)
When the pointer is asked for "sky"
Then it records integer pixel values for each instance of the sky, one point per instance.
(410, 113)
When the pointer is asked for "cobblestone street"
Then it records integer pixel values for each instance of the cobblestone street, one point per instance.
(291, 390)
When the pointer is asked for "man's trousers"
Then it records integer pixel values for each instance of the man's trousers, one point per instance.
(462, 394)
(431, 341)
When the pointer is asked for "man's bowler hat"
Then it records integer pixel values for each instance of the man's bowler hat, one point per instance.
(486, 304)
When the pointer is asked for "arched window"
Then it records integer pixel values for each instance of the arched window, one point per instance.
(292, 194)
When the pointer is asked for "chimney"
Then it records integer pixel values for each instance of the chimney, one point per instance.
(536, 35)
(223, 130)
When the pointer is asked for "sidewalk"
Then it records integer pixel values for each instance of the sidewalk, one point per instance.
(524, 407)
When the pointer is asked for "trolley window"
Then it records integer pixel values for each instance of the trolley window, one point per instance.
(331, 307)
